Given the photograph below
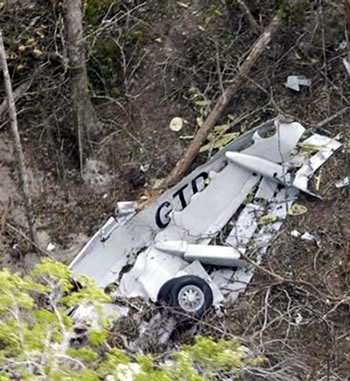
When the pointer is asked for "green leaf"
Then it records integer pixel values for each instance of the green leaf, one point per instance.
(220, 143)
(297, 210)
(181, 4)
(203, 103)
(267, 219)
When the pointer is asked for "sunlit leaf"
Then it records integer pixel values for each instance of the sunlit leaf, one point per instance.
(202, 103)
(37, 52)
(176, 124)
(297, 209)
(181, 4)
(221, 142)
(267, 219)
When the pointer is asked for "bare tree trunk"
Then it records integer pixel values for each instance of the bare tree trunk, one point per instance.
(255, 52)
(347, 24)
(18, 146)
(85, 119)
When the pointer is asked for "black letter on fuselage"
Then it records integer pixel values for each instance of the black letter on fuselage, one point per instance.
(159, 221)
(180, 193)
(202, 175)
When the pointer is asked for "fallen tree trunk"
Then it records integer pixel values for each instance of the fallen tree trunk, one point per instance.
(21, 168)
(257, 49)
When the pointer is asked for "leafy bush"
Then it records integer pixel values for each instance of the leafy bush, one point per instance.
(35, 333)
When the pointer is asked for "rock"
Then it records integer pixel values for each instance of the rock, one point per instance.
(96, 175)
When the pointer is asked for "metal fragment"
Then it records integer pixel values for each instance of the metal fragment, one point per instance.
(295, 81)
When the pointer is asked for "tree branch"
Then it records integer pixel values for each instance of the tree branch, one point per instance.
(256, 50)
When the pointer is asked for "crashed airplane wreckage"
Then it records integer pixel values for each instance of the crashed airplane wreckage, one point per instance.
(185, 249)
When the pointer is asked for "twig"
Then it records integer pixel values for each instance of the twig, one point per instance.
(249, 15)
(298, 282)
(332, 117)
(29, 240)
(257, 49)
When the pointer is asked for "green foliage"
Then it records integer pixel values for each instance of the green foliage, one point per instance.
(95, 10)
(293, 12)
(84, 354)
(30, 331)
(37, 333)
(113, 358)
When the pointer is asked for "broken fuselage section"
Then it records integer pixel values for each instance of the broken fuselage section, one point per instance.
(169, 245)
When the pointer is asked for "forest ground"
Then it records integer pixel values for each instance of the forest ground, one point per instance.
(173, 61)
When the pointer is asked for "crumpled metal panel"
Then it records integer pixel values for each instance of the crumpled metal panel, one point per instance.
(246, 229)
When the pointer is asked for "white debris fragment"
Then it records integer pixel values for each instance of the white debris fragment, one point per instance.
(346, 64)
(327, 146)
(342, 45)
(145, 167)
(345, 182)
(310, 237)
(126, 207)
(295, 81)
(50, 247)
(298, 319)
(305, 236)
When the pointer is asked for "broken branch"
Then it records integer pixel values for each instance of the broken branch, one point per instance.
(17, 94)
(257, 49)
(298, 282)
(249, 15)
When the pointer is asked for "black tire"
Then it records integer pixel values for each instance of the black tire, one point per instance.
(164, 295)
(176, 292)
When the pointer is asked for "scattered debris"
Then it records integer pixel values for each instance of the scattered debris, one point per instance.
(295, 81)
(305, 236)
(345, 182)
(176, 124)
